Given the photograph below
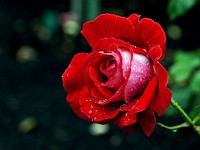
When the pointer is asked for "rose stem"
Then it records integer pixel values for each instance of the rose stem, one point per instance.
(185, 115)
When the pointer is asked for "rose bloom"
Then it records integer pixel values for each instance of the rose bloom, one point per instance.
(121, 81)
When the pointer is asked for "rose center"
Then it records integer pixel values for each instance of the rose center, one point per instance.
(108, 68)
(110, 62)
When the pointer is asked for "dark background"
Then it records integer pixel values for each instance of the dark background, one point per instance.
(33, 55)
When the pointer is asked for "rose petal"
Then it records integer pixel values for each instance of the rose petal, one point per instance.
(144, 101)
(97, 113)
(127, 115)
(71, 74)
(126, 62)
(155, 53)
(118, 95)
(104, 45)
(94, 59)
(163, 96)
(73, 100)
(98, 97)
(148, 34)
(117, 79)
(141, 73)
(106, 26)
(73, 83)
(107, 68)
(124, 119)
(134, 18)
(96, 77)
(147, 121)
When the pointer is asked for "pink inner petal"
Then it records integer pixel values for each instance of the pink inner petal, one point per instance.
(141, 73)
(126, 59)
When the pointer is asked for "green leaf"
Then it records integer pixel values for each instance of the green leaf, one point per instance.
(196, 118)
(177, 8)
(184, 65)
(180, 72)
(195, 83)
(195, 109)
(182, 56)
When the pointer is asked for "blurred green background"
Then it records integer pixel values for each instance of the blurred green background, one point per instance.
(37, 41)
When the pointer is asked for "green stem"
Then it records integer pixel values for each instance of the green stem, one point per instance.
(185, 116)
(174, 128)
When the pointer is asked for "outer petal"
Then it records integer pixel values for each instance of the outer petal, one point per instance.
(97, 113)
(148, 95)
(134, 18)
(99, 98)
(127, 116)
(105, 43)
(125, 119)
(118, 95)
(147, 121)
(108, 25)
(73, 83)
(72, 73)
(155, 53)
(163, 95)
(148, 34)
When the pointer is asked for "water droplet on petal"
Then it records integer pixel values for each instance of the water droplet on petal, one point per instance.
(95, 118)
(140, 79)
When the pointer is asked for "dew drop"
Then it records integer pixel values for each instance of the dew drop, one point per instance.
(140, 79)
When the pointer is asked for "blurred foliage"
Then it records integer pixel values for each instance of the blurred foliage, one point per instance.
(184, 78)
(184, 65)
(50, 20)
(178, 8)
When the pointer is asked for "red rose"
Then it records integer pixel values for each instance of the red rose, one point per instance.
(121, 81)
